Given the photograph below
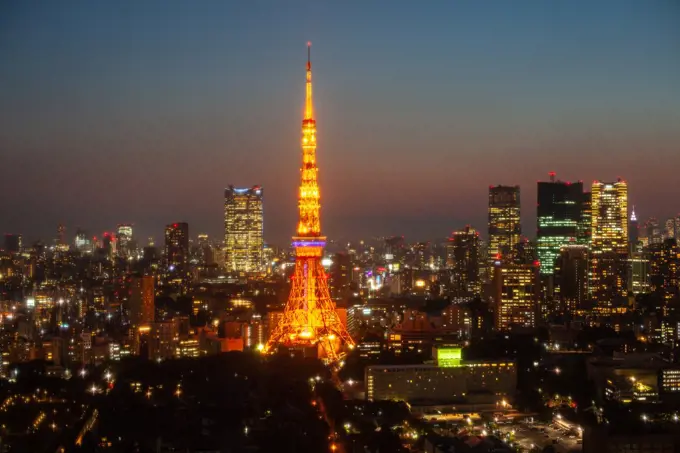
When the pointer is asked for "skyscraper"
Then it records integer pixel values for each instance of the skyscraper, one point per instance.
(82, 241)
(142, 297)
(177, 247)
(13, 243)
(310, 319)
(609, 243)
(664, 260)
(505, 228)
(243, 229)
(124, 240)
(558, 218)
(516, 291)
(571, 277)
(463, 261)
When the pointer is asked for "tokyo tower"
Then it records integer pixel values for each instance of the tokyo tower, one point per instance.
(309, 319)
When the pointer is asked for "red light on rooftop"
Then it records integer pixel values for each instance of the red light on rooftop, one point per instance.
(174, 225)
(537, 263)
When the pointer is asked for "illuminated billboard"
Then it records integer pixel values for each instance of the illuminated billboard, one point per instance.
(449, 357)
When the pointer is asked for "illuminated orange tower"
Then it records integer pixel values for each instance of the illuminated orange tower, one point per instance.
(310, 319)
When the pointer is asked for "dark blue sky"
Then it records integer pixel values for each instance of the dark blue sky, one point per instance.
(143, 112)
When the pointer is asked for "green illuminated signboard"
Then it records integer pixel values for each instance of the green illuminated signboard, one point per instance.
(449, 357)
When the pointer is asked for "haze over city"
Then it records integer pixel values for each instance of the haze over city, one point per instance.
(144, 112)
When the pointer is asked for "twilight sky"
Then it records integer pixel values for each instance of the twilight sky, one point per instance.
(143, 112)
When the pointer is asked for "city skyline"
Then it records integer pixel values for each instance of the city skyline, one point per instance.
(153, 133)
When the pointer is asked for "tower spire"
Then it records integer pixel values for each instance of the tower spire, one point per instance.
(309, 106)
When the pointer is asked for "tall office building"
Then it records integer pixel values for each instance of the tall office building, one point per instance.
(609, 243)
(638, 273)
(516, 291)
(124, 240)
(13, 243)
(177, 247)
(558, 218)
(571, 277)
(504, 223)
(142, 295)
(243, 229)
(463, 261)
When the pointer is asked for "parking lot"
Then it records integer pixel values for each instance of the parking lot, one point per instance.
(529, 436)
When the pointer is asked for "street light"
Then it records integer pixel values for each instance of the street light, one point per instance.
(93, 389)
(83, 372)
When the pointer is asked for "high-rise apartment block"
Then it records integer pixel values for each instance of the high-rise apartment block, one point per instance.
(243, 229)
(516, 288)
(504, 223)
(142, 296)
(558, 218)
(609, 242)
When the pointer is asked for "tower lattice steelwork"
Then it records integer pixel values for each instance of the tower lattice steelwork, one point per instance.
(310, 319)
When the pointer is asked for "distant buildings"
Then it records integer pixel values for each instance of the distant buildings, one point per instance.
(243, 229)
(516, 290)
(609, 243)
(504, 223)
(558, 218)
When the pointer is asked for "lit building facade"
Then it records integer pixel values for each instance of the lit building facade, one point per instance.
(609, 242)
(516, 288)
(451, 379)
(463, 261)
(243, 229)
(505, 228)
(558, 218)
